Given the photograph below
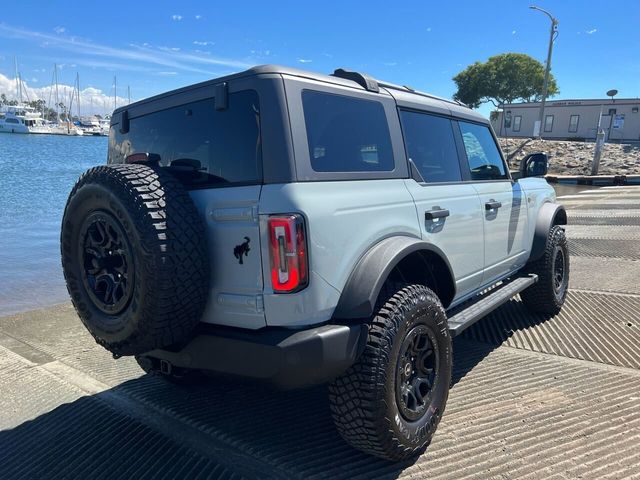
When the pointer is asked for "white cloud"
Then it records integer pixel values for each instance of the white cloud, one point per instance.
(92, 100)
(59, 30)
(328, 55)
(390, 64)
(177, 18)
(198, 17)
(592, 31)
(203, 44)
(175, 49)
(141, 54)
(305, 60)
(513, 32)
(166, 74)
(428, 29)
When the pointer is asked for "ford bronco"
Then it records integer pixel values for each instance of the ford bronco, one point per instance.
(303, 229)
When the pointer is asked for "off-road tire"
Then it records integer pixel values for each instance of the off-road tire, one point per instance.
(545, 296)
(177, 376)
(364, 403)
(165, 257)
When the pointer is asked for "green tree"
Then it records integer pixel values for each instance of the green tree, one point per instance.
(5, 101)
(503, 79)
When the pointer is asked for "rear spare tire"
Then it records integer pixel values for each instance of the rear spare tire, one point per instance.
(134, 257)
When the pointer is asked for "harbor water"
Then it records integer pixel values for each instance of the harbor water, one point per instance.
(37, 173)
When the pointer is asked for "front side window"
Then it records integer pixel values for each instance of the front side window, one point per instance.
(517, 121)
(431, 146)
(346, 134)
(548, 123)
(222, 147)
(573, 123)
(485, 161)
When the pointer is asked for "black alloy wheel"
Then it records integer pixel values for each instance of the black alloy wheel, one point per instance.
(109, 275)
(416, 372)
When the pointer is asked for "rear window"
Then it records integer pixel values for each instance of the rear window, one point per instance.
(220, 147)
(346, 134)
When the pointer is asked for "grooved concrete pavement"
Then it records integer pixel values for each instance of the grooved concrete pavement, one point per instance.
(532, 397)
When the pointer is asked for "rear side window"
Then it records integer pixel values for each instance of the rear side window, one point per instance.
(346, 134)
(431, 146)
(219, 147)
(483, 155)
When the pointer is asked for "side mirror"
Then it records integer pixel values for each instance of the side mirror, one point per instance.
(534, 165)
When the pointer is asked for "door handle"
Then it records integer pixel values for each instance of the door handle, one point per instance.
(436, 213)
(492, 205)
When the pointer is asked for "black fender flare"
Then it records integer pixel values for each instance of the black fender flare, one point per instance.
(359, 296)
(550, 214)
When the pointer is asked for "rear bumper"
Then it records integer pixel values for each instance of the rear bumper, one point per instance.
(284, 358)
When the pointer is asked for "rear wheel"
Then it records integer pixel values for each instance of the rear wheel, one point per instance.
(549, 293)
(390, 401)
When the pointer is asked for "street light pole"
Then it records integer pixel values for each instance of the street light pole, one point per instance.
(545, 85)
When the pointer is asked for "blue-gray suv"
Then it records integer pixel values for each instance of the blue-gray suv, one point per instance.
(299, 229)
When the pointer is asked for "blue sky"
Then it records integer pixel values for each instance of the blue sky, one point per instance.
(160, 45)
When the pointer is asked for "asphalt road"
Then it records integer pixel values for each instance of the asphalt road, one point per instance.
(532, 397)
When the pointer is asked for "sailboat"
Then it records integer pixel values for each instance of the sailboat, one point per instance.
(62, 127)
(21, 118)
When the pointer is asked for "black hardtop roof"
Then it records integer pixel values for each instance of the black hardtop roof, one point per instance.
(295, 72)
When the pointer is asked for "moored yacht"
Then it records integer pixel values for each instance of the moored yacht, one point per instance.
(22, 119)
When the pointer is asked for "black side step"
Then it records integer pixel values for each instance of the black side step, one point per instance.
(484, 304)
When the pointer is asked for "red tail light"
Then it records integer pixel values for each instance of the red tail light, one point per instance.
(288, 249)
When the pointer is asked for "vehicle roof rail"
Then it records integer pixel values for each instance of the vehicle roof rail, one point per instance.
(369, 83)
(394, 86)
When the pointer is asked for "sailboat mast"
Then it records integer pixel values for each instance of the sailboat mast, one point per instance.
(55, 71)
(78, 93)
(15, 60)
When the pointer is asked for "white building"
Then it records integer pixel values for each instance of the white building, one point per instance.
(572, 119)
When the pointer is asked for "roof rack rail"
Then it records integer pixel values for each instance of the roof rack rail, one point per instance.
(369, 83)
(393, 86)
(373, 85)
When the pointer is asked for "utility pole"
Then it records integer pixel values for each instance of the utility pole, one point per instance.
(554, 30)
(129, 94)
(597, 151)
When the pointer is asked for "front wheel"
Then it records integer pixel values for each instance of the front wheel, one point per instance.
(391, 400)
(549, 293)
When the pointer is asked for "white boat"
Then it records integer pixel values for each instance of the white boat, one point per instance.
(105, 125)
(22, 119)
(66, 129)
(91, 126)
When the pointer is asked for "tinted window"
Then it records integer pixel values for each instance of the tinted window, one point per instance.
(223, 145)
(573, 123)
(346, 134)
(484, 157)
(517, 121)
(431, 146)
(548, 123)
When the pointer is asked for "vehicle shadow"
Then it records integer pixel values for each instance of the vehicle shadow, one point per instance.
(148, 428)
